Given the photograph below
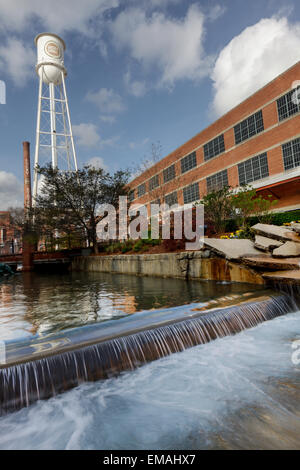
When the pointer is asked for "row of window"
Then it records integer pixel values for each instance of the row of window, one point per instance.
(253, 169)
(287, 105)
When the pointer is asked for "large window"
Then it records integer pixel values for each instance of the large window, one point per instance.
(153, 182)
(253, 169)
(249, 127)
(288, 104)
(188, 162)
(217, 181)
(141, 189)
(214, 147)
(171, 198)
(191, 193)
(169, 173)
(131, 196)
(291, 154)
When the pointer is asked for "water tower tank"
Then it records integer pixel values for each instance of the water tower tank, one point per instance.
(50, 57)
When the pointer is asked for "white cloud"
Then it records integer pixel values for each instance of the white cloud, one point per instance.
(97, 162)
(134, 145)
(107, 100)
(108, 119)
(11, 191)
(57, 15)
(216, 11)
(252, 59)
(134, 87)
(172, 46)
(86, 134)
(17, 61)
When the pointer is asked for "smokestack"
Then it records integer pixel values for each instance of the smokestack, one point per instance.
(27, 177)
(27, 242)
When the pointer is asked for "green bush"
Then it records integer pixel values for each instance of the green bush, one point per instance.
(284, 217)
(279, 218)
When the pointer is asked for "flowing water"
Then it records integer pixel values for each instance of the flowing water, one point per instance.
(233, 392)
(237, 392)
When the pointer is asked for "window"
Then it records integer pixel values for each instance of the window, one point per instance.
(214, 147)
(249, 127)
(191, 193)
(169, 173)
(188, 162)
(153, 182)
(171, 198)
(141, 189)
(157, 201)
(253, 169)
(131, 196)
(285, 105)
(217, 181)
(291, 154)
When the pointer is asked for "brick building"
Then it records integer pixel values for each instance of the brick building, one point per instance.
(257, 142)
(10, 238)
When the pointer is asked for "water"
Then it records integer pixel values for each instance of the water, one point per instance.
(129, 347)
(237, 392)
(31, 304)
(232, 393)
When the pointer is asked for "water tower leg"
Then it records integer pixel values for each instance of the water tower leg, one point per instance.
(37, 141)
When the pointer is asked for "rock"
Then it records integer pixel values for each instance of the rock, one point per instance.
(231, 248)
(266, 244)
(267, 262)
(289, 249)
(276, 232)
(296, 227)
(292, 277)
(205, 253)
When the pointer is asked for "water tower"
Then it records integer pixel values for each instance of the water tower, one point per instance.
(54, 137)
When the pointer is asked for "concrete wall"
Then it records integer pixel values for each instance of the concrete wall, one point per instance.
(191, 265)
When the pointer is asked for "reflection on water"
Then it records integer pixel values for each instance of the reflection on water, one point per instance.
(238, 392)
(32, 303)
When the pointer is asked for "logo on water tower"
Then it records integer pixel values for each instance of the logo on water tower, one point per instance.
(52, 49)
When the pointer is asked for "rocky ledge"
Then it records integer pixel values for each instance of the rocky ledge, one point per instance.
(275, 253)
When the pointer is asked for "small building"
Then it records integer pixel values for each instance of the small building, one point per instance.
(10, 237)
(255, 143)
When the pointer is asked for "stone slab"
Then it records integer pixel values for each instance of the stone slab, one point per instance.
(267, 262)
(283, 276)
(296, 227)
(232, 249)
(276, 232)
(266, 244)
(289, 249)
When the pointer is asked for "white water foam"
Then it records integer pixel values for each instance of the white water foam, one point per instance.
(235, 392)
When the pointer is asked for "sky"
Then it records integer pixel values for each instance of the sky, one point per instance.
(139, 72)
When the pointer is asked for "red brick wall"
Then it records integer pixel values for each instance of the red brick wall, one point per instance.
(270, 140)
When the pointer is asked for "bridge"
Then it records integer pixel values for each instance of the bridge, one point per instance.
(43, 259)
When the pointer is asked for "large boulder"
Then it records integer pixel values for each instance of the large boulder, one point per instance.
(231, 248)
(289, 249)
(295, 227)
(265, 243)
(267, 262)
(276, 232)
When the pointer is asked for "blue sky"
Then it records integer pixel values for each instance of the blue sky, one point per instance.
(139, 71)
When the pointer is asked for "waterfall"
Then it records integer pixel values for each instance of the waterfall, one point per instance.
(45, 376)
